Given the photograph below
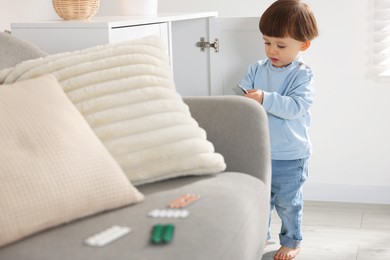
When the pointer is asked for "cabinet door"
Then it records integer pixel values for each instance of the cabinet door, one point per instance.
(202, 73)
(241, 45)
(191, 66)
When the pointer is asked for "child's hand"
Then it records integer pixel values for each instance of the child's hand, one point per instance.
(255, 94)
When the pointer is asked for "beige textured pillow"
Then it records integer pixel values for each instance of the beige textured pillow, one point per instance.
(126, 93)
(53, 168)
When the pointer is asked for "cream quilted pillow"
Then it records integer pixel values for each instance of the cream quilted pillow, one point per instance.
(53, 168)
(127, 94)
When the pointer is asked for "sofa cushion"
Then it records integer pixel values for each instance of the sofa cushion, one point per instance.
(53, 168)
(228, 222)
(127, 94)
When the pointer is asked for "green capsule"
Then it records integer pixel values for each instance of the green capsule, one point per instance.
(168, 233)
(157, 234)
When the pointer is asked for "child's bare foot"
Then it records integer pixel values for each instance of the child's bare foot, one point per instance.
(286, 253)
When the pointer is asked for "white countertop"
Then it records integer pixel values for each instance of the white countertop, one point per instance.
(114, 21)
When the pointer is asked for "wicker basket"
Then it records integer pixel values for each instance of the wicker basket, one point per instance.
(76, 9)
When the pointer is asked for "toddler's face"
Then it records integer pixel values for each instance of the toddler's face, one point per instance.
(282, 51)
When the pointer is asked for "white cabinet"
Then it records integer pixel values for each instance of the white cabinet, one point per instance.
(212, 71)
(196, 72)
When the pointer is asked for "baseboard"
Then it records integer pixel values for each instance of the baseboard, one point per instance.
(347, 193)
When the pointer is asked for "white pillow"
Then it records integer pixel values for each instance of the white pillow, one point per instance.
(53, 168)
(126, 93)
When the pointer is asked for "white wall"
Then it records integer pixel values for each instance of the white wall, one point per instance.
(24, 10)
(351, 124)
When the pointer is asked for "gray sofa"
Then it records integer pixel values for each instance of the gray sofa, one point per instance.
(228, 222)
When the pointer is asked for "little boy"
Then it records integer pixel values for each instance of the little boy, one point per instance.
(283, 84)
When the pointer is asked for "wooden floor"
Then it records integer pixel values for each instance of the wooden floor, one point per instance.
(340, 231)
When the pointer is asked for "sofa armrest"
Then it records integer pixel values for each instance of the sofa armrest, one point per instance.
(238, 128)
(14, 50)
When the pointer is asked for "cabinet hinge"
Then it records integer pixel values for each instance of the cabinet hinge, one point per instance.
(202, 44)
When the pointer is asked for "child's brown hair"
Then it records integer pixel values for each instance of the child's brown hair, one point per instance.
(289, 18)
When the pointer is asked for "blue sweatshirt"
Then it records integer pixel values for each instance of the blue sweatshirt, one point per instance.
(288, 96)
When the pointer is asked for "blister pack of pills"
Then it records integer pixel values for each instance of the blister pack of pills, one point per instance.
(183, 201)
(162, 234)
(168, 213)
(107, 236)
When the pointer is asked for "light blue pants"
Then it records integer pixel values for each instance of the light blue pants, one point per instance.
(286, 197)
